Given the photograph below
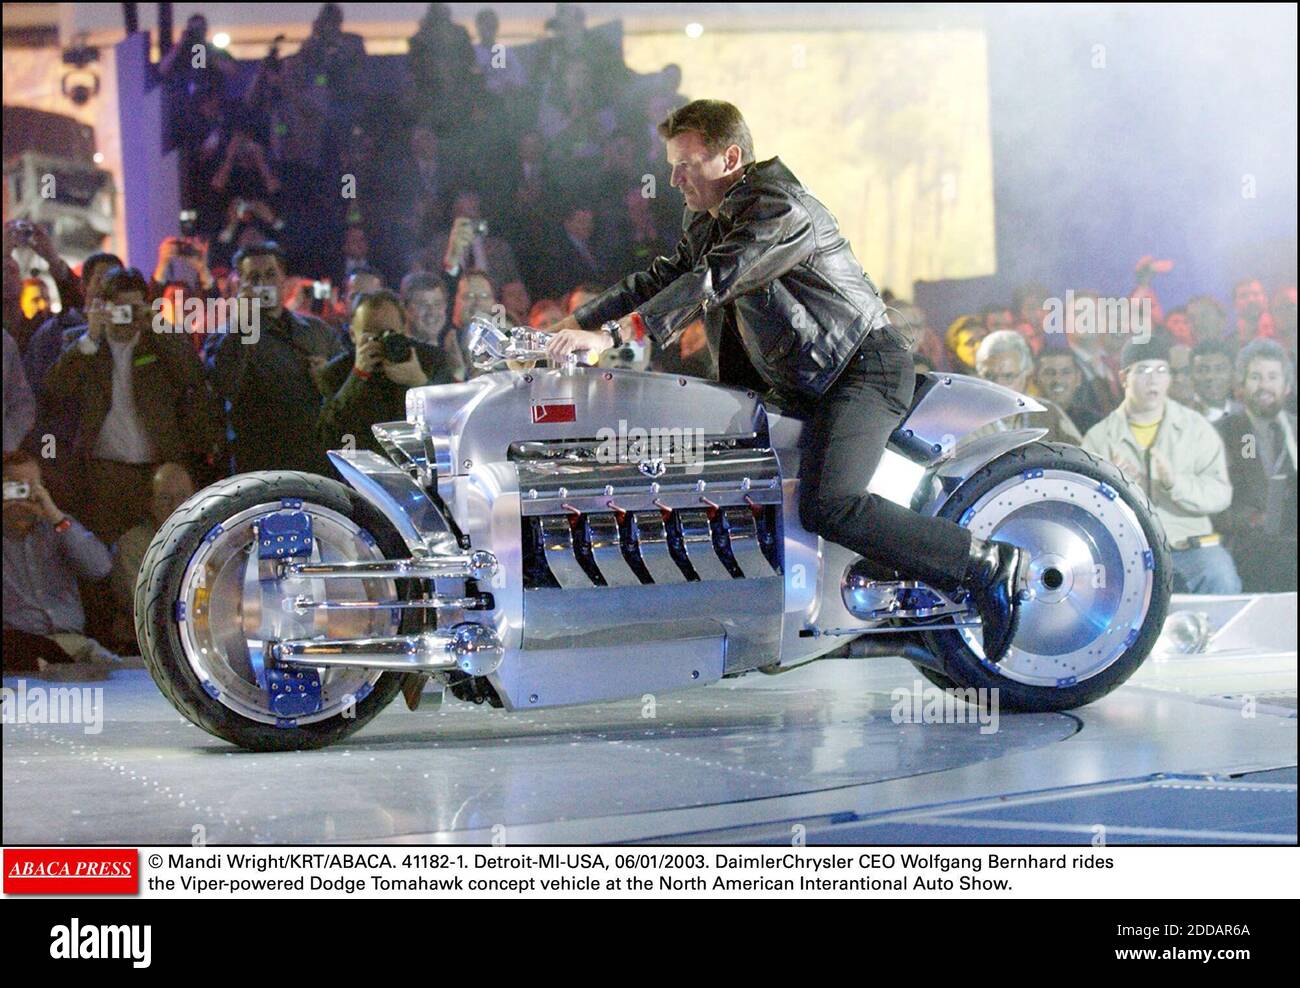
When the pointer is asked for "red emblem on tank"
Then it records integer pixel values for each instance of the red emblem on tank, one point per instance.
(554, 411)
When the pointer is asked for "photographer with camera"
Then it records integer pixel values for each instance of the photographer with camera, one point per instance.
(46, 552)
(248, 221)
(469, 245)
(64, 326)
(266, 371)
(368, 384)
(321, 299)
(182, 275)
(183, 261)
(32, 240)
(57, 421)
(141, 399)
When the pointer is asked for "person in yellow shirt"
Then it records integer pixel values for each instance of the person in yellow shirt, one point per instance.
(1176, 456)
(1145, 432)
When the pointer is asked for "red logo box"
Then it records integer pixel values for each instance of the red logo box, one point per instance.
(60, 871)
(555, 411)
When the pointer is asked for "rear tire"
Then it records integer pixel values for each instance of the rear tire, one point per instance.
(1002, 501)
(158, 590)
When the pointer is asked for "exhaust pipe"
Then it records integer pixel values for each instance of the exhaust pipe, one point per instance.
(902, 646)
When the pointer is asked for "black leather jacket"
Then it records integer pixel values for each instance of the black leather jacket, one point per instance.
(774, 260)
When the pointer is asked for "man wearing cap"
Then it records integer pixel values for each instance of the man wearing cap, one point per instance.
(1177, 458)
(765, 265)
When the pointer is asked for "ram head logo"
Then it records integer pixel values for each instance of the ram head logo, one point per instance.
(654, 467)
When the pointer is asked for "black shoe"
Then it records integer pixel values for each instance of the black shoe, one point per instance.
(994, 574)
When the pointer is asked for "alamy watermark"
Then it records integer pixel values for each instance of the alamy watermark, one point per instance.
(196, 314)
(653, 450)
(53, 705)
(1088, 315)
(924, 704)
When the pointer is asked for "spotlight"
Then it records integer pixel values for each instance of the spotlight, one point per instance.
(99, 157)
(694, 29)
(221, 39)
(80, 86)
(81, 81)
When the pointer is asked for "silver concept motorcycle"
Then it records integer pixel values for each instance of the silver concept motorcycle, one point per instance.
(540, 535)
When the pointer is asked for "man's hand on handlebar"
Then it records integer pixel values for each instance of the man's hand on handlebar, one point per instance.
(569, 337)
(566, 341)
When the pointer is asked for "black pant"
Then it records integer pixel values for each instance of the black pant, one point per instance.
(844, 442)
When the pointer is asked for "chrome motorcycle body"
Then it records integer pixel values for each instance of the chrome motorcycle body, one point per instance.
(588, 533)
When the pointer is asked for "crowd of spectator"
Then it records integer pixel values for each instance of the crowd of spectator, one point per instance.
(528, 163)
(1197, 407)
(516, 187)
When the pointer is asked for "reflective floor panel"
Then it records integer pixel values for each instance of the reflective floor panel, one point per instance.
(1168, 758)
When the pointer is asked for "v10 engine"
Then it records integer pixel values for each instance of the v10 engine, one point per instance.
(697, 515)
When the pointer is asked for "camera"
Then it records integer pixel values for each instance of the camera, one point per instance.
(397, 347)
(320, 291)
(17, 490)
(24, 231)
(267, 294)
(189, 218)
(480, 228)
(121, 315)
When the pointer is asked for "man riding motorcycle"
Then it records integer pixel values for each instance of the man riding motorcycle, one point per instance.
(764, 262)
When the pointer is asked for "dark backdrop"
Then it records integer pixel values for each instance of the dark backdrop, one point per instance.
(1096, 166)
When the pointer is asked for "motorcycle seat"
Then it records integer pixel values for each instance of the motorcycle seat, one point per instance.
(803, 411)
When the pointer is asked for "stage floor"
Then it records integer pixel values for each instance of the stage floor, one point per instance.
(1194, 749)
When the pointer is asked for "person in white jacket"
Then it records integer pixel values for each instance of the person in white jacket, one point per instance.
(1176, 456)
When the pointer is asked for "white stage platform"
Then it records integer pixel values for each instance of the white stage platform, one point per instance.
(1194, 749)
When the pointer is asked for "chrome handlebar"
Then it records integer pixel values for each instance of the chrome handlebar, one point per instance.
(491, 345)
(494, 347)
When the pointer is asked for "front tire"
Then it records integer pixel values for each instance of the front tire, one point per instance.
(192, 615)
(1100, 572)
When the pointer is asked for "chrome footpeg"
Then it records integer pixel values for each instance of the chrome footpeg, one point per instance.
(870, 599)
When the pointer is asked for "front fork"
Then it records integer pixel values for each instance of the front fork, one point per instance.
(284, 624)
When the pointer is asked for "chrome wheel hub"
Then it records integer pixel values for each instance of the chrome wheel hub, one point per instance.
(223, 613)
(1090, 574)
